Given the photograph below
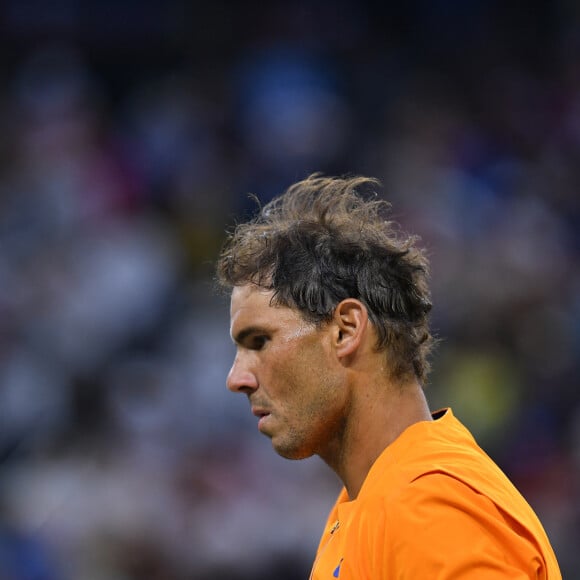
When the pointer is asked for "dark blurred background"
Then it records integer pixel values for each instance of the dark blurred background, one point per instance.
(132, 131)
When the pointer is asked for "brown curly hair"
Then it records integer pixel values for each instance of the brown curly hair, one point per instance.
(326, 239)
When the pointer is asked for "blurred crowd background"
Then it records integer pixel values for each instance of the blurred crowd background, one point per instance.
(132, 132)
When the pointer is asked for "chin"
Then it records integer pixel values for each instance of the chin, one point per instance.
(292, 452)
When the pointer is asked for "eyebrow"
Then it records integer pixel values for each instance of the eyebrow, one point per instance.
(245, 332)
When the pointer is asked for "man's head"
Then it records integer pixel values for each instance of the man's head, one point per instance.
(325, 240)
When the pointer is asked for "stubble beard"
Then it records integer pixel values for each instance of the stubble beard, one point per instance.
(292, 446)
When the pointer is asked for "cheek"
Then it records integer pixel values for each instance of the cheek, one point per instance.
(302, 376)
(322, 393)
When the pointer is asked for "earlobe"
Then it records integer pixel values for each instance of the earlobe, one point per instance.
(351, 319)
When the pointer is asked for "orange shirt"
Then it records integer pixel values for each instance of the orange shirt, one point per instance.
(434, 506)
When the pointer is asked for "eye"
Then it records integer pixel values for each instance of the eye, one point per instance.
(258, 341)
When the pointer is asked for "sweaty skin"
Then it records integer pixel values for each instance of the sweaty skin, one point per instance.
(319, 389)
(279, 365)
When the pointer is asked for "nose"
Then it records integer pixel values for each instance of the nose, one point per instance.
(240, 378)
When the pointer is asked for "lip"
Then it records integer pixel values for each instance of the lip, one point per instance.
(259, 412)
(262, 415)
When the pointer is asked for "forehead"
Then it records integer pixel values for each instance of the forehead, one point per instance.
(252, 306)
(249, 296)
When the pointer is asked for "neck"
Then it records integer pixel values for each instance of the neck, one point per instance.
(377, 416)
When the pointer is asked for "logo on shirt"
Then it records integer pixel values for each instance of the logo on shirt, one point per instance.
(337, 569)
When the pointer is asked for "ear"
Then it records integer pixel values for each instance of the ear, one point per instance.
(351, 321)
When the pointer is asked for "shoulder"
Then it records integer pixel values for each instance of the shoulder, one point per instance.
(438, 524)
